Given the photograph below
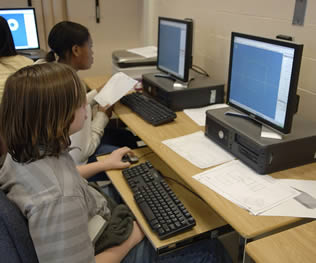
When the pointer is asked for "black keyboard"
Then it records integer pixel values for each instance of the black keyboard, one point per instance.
(148, 109)
(163, 211)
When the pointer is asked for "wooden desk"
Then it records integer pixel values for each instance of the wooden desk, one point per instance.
(96, 82)
(293, 245)
(206, 218)
(248, 226)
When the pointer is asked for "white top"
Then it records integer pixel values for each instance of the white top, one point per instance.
(88, 138)
(9, 65)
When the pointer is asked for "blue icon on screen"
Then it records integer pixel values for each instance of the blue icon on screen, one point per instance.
(17, 26)
(13, 24)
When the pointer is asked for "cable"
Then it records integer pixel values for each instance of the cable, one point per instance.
(174, 180)
(200, 70)
(145, 154)
(184, 186)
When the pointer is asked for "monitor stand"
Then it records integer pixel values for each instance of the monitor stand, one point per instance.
(177, 84)
(268, 133)
(265, 131)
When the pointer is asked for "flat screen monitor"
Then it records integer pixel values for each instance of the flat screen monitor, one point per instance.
(262, 79)
(175, 47)
(22, 23)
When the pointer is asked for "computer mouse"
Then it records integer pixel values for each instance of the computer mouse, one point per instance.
(130, 158)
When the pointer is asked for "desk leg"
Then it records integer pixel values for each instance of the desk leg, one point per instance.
(242, 256)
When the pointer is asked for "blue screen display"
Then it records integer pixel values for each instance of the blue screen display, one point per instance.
(17, 27)
(255, 78)
(169, 47)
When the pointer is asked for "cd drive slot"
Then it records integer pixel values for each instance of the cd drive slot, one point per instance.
(249, 154)
(246, 151)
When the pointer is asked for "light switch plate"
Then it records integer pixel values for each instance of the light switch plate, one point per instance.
(299, 12)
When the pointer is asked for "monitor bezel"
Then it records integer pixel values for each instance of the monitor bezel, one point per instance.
(38, 40)
(292, 104)
(188, 50)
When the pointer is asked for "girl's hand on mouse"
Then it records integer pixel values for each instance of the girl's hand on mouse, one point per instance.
(115, 158)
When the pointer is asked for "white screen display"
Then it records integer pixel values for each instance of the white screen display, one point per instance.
(23, 27)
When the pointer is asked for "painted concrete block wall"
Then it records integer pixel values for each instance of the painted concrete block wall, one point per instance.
(215, 20)
(120, 27)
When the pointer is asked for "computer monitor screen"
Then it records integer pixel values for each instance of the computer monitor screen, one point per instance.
(22, 23)
(175, 47)
(263, 77)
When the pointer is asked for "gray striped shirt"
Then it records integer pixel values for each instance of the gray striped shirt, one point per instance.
(57, 203)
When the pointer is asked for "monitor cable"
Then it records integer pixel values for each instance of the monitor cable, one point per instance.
(174, 180)
(199, 70)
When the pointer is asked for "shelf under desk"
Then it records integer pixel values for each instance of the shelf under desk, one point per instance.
(206, 219)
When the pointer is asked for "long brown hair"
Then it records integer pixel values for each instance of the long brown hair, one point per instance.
(38, 106)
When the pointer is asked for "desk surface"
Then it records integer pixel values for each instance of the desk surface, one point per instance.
(206, 218)
(248, 226)
(96, 82)
(293, 245)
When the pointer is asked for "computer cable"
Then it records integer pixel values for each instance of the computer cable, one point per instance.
(200, 70)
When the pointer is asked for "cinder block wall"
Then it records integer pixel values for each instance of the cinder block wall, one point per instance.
(215, 20)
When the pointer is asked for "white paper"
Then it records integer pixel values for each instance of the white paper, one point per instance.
(118, 86)
(147, 52)
(293, 207)
(199, 150)
(199, 114)
(246, 188)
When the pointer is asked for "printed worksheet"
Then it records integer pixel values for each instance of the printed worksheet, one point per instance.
(199, 114)
(199, 150)
(246, 188)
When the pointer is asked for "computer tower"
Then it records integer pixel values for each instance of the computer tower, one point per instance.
(242, 138)
(201, 91)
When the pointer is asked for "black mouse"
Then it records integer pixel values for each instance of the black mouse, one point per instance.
(130, 158)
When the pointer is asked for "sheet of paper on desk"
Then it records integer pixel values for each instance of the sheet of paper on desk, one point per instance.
(199, 114)
(118, 86)
(199, 150)
(243, 186)
(297, 207)
(147, 52)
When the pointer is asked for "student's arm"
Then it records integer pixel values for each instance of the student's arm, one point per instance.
(90, 96)
(98, 124)
(111, 162)
(117, 253)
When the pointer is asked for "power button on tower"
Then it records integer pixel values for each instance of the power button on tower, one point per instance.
(221, 134)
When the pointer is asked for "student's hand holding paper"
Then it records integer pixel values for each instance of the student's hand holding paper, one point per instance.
(118, 86)
(108, 109)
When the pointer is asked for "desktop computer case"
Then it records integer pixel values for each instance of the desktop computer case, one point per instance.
(242, 138)
(202, 91)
